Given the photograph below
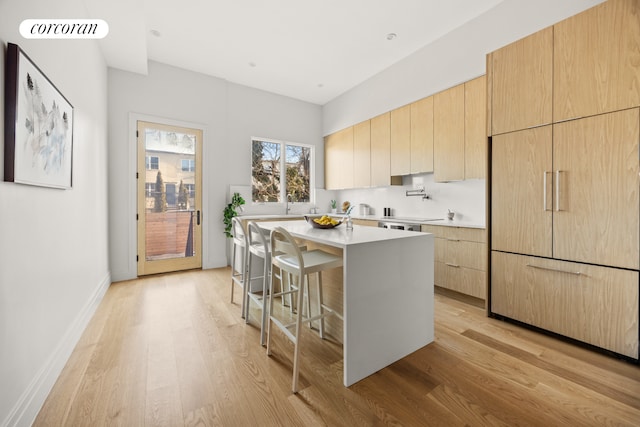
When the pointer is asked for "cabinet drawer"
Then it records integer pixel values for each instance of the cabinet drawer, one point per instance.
(456, 233)
(460, 279)
(461, 253)
(597, 305)
(367, 222)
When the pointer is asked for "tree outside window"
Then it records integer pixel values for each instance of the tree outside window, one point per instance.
(267, 176)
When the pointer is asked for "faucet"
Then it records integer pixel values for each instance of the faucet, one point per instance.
(286, 205)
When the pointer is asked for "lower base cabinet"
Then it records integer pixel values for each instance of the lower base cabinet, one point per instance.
(593, 304)
(460, 259)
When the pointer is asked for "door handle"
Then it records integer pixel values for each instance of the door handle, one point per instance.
(575, 273)
(198, 217)
(544, 190)
(558, 186)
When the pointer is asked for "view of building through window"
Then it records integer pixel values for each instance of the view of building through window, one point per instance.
(269, 183)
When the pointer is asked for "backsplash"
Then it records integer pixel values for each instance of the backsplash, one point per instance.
(465, 198)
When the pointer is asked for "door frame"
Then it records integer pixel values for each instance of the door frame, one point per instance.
(132, 167)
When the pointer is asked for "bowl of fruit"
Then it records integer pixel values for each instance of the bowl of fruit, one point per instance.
(324, 221)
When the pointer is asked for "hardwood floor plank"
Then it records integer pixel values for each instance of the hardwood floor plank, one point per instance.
(170, 350)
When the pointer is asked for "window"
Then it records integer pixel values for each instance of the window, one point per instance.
(188, 165)
(150, 189)
(151, 162)
(280, 170)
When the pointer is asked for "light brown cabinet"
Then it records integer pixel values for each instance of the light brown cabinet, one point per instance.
(448, 135)
(422, 135)
(381, 150)
(460, 258)
(362, 154)
(401, 141)
(596, 60)
(366, 222)
(444, 134)
(565, 203)
(596, 305)
(475, 139)
(583, 205)
(521, 196)
(522, 81)
(338, 151)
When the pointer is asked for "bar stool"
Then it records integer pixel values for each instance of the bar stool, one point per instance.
(287, 256)
(239, 245)
(258, 246)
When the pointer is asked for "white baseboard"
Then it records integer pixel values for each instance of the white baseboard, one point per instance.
(26, 409)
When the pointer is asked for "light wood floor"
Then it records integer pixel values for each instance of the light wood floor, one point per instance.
(171, 351)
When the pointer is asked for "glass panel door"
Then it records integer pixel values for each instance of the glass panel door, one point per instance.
(169, 198)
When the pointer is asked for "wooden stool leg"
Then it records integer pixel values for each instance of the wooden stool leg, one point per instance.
(296, 348)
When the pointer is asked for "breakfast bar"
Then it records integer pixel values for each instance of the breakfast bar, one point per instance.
(387, 288)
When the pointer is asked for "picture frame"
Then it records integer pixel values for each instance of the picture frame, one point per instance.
(38, 139)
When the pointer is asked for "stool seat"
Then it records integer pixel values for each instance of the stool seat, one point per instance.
(314, 261)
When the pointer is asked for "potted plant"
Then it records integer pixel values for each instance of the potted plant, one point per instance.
(230, 211)
(334, 204)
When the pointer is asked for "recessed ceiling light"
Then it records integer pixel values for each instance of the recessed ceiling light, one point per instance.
(155, 33)
(391, 36)
(252, 64)
(320, 84)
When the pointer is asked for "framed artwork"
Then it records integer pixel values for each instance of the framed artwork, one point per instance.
(38, 140)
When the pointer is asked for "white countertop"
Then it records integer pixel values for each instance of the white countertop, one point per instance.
(340, 237)
(440, 222)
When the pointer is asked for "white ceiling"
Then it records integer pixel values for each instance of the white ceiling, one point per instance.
(313, 51)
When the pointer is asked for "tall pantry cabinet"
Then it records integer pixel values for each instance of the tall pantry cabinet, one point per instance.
(565, 165)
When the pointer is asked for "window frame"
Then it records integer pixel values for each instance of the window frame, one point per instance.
(283, 170)
(149, 163)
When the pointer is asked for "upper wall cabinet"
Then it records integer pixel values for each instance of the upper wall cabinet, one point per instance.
(362, 154)
(338, 159)
(401, 141)
(522, 78)
(444, 134)
(475, 140)
(381, 150)
(596, 61)
(448, 135)
(422, 135)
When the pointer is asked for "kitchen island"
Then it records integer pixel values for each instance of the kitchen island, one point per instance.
(387, 292)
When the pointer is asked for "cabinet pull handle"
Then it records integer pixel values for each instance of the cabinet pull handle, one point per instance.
(544, 190)
(452, 265)
(575, 273)
(558, 190)
(453, 240)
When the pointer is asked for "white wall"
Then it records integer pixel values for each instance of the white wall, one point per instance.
(53, 243)
(231, 114)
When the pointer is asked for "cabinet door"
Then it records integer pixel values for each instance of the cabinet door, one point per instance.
(521, 214)
(362, 155)
(522, 83)
(401, 141)
(422, 135)
(598, 207)
(339, 159)
(448, 135)
(597, 61)
(597, 305)
(380, 150)
(475, 140)
(331, 159)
